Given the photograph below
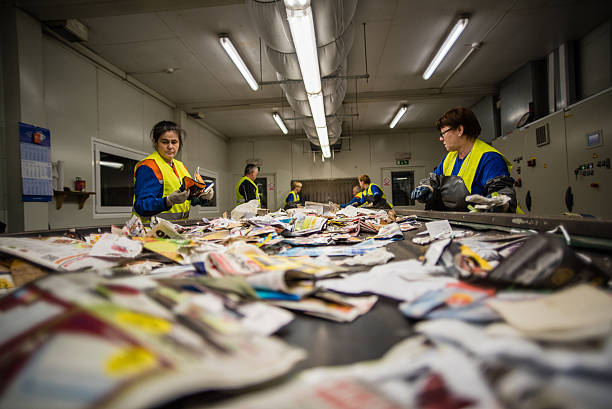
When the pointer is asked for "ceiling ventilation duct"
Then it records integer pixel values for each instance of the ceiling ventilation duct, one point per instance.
(334, 33)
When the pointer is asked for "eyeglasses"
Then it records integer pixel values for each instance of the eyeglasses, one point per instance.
(442, 133)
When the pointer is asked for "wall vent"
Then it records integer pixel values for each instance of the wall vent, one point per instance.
(542, 136)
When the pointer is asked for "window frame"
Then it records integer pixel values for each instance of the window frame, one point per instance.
(98, 145)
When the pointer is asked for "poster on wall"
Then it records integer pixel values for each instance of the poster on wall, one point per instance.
(36, 176)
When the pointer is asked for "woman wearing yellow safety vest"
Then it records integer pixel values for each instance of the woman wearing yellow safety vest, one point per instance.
(372, 195)
(158, 178)
(471, 167)
(292, 200)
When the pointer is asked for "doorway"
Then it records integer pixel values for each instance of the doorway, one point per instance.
(402, 184)
(266, 183)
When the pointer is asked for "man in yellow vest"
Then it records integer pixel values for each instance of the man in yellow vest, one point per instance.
(246, 189)
(357, 199)
(292, 200)
(471, 167)
(158, 178)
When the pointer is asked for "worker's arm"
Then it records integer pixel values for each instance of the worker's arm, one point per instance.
(354, 201)
(148, 193)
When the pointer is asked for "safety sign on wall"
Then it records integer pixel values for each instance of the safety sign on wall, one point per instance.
(36, 176)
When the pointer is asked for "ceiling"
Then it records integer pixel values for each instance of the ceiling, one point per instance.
(145, 37)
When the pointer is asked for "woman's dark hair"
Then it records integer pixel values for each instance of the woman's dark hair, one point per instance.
(162, 127)
(460, 116)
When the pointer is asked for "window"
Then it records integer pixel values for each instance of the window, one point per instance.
(211, 206)
(114, 178)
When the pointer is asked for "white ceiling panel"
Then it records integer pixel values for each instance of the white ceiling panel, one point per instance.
(126, 29)
(145, 37)
(199, 29)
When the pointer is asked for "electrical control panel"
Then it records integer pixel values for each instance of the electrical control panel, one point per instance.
(589, 150)
(511, 146)
(543, 167)
(561, 163)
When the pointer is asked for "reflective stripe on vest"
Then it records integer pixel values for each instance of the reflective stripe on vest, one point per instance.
(171, 183)
(368, 192)
(241, 199)
(469, 166)
(297, 197)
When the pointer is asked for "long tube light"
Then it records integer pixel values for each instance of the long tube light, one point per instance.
(113, 165)
(279, 122)
(301, 24)
(326, 151)
(323, 136)
(317, 108)
(233, 54)
(446, 46)
(400, 113)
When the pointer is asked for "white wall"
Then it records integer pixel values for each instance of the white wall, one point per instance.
(369, 154)
(204, 149)
(595, 60)
(83, 101)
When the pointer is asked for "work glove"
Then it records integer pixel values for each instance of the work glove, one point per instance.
(207, 196)
(422, 194)
(177, 197)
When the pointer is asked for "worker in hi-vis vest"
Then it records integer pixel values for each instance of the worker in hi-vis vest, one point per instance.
(246, 189)
(292, 200)
(357, 198)
(372, 194)
(158, 178)
(471, 167)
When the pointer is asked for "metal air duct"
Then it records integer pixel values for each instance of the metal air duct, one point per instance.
(334, 33)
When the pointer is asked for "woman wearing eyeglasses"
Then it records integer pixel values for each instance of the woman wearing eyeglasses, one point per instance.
(471, 167)
(159, 176)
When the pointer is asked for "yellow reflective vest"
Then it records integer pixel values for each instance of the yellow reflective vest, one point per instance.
(239, 197)
(469, 166)
(297, 197)
(368, 192)
(171, 183)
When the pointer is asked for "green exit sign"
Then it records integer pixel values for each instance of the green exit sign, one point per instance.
(401, 162)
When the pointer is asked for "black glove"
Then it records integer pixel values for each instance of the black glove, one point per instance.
(422, 194)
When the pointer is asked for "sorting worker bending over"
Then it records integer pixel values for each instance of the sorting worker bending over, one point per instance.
(246, 189)
(158, 178)
(372, 195)
(293, 197)
(357, 198)
(471, 166)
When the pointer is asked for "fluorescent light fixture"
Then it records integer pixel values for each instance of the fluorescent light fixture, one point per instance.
(317, 108)
(114, 165)
(326, 152)
(229, 48)
(400, 113)
(279, 122)
(448, 43)
(323, 136)
(301, 24)
(302, 30)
